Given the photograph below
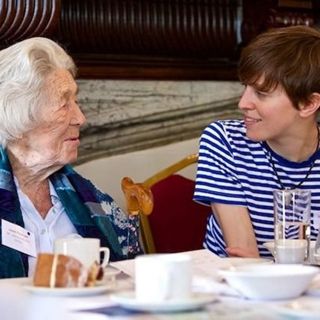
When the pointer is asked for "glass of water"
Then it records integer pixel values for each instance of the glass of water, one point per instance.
(292, 225)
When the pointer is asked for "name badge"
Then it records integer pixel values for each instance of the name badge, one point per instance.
(18, 238)
(316, 219)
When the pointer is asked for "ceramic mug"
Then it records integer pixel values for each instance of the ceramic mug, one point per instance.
(163, 277)
(86, 250)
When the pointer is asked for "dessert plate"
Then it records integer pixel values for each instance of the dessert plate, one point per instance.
(85, 316)
(128, 300)
(84, 291)
(314, 288)
(235, 261)
(304, 309)
(110, 271)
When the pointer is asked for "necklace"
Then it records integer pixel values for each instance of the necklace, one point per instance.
(307, 174)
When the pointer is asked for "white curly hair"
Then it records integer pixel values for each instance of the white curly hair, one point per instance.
(23, 69)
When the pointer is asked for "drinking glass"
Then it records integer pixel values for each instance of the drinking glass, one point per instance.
(292, 225)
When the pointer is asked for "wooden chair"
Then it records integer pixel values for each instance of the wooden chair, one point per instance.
(170, 220)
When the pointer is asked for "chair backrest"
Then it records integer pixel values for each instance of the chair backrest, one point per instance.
(177, 223)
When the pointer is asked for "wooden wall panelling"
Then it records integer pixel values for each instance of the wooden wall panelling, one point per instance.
(261, 15)
(152, 39)
(28, 18)
(173, 28)
(170, 39)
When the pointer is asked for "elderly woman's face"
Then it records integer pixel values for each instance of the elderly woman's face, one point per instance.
(55, 140)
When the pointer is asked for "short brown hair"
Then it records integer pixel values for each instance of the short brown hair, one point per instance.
(287, 56)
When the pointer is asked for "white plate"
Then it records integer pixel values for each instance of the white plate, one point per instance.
(84, 291)
(110, 272)
(197, 300)
(314, 288)
(85, 316)
(235, 261)
(303, 309)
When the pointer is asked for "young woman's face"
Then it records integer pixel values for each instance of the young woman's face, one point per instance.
(267, 115)
(55, 141)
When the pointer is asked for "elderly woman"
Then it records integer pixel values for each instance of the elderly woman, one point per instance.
(41, 197)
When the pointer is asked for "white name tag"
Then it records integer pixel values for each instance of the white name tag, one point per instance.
(316, 219)
(18, 238)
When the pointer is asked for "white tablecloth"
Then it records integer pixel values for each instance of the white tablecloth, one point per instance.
(18, 304)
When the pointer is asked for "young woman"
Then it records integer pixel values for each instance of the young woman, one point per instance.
(274, 146)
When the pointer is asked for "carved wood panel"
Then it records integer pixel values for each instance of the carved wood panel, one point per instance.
(27, 18)
(261, 15)
(172, 28)
(152, 39)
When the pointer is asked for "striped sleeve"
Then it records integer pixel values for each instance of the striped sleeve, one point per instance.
(217, 179)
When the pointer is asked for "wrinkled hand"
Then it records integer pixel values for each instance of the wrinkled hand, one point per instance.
(242, 252)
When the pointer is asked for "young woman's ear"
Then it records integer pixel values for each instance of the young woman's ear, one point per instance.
(311, 107)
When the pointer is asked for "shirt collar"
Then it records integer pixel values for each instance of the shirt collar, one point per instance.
(53, 194)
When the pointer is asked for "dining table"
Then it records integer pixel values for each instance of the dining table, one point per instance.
(20, 300)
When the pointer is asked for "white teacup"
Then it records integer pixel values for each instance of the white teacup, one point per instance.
(290, 250)
(86, 250)
(312, 255)
(163, 277)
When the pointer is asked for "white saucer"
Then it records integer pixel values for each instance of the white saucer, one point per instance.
(314, 289)
(83, 291)
(110, 272)
(235, 261)
(299, 309)
(197, 300)
(85, 316)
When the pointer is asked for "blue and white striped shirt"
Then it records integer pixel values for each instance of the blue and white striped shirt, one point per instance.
(234, 170)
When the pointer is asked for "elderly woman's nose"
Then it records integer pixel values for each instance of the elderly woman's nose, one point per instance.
(78, 116)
